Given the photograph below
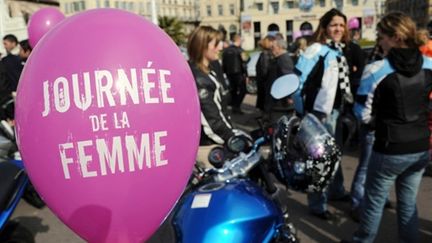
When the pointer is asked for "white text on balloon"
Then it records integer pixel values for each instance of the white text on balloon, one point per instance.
(99, 122)
(154, 87)
(150, 151)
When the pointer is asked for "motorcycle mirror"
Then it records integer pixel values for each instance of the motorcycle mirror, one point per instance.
(216, 157)
(284, 86)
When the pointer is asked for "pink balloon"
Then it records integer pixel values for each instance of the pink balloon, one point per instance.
(108, 122)
(353, 23)
(41, 22)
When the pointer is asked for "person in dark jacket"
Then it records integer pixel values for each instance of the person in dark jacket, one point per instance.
(281, 64)
(234, 67)
(11, 62)
(262, 70)
(356, 61)
(25, 51)
(393, 99)
(204, 46)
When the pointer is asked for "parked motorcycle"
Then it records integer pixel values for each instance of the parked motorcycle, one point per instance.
(14, 183)
(226, 205)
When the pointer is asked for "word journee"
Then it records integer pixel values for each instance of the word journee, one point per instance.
(104, 83)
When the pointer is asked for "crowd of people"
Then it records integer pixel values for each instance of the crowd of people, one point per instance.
(388, 92)
(11, 66)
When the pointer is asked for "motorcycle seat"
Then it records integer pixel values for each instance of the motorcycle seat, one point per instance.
(11, 176)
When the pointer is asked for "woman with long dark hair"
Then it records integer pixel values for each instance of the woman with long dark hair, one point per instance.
(325, 90)
(204, 46)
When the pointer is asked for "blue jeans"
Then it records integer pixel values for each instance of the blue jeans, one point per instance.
(367, 138)
(317, 201)
(406, 170)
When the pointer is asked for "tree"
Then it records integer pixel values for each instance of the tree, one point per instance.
(174, 28)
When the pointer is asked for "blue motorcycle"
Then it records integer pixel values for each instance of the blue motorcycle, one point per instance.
(227, 205)
(14, 183)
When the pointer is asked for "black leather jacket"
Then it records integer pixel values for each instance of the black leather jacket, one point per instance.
(400, 105)
(232, 61)
(216, 127)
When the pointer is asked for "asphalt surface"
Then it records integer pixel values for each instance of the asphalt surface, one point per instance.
(47, 228)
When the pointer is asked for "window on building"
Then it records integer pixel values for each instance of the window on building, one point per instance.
(320, 3)
(83, 7)
(257, 32)
(232, 29)
(257, 27)
(107, 3)
(338, 4)
(209, 13)
(98, 4)
(306, 26)
(275, 7)
(273, 28)
(259, 6)
(232, 9)
(149, 7)
(131, 6)
(354, 2)
(220, 9)
(75, 6)
(141, 8)
(116, 4)
(67, 8)
(290, 4)
(289, 30)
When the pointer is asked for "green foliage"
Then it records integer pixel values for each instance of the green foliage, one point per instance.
(174, 28)
(366, 43)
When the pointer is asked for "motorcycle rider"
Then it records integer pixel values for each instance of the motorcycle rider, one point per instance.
(203, 47)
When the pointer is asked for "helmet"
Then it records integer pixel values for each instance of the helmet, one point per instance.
(305, 155)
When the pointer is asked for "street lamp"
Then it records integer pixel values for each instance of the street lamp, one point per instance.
(153, 12)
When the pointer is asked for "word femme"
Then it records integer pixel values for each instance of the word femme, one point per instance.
(153, 92)
(149, 152)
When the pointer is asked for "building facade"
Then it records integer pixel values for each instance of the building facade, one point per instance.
(184, 10)
(419, 10)
(221, 14)
(252, 18)
(301, 17)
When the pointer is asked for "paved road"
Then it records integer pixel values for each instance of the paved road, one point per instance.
(48, 229)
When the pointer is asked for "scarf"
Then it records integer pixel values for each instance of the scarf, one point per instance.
(343, 70)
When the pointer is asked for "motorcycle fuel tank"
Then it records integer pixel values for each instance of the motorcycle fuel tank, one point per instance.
(236, 211)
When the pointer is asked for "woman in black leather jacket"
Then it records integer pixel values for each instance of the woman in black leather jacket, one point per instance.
(203, 47)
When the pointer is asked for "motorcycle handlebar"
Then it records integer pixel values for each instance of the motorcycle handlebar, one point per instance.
(240, 165)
